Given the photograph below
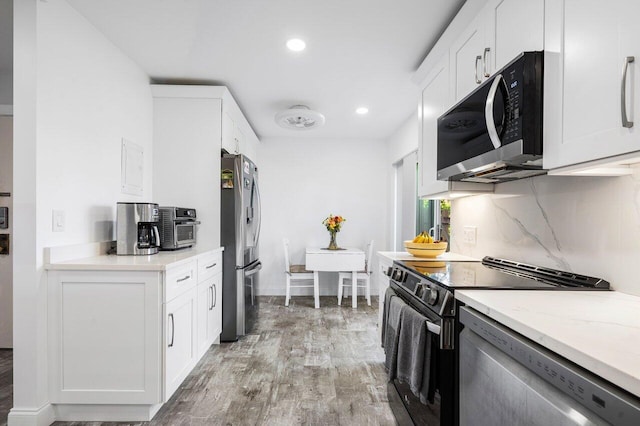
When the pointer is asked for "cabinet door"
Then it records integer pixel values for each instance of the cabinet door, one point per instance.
(215, 313)
(209, 312)
(466, 58)
(229, 141)
(180, 340)
(513, 27)
(584, 72)
(435, 101)
(204, 304)
(384, 263)
(104, 337)
(240, 139)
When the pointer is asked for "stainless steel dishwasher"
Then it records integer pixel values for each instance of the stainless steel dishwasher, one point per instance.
(506, 379)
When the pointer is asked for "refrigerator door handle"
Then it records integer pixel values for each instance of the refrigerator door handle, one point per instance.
(257, 235)
(253, 270)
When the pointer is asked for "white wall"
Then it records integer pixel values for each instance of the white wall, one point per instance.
(302, 181)
(405, 139)
(400, 144)
(75, 97)
(588, 225)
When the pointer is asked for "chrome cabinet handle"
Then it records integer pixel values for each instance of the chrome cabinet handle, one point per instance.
(211, 291)
(173, 329)
(475, 72)
(623, 92)
(214, 297)
(211, 266)
(488, 113)
(183, 279)
(484, 61)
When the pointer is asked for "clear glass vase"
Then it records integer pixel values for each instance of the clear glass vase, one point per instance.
(332, 243)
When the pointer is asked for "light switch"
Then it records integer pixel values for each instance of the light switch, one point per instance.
(58, 221)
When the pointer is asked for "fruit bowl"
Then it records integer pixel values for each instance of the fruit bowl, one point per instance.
(425, 249)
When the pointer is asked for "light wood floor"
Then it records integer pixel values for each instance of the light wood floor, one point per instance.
(301, 366)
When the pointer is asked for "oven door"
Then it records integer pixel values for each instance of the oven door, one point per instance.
(185, 234)
(406, 407)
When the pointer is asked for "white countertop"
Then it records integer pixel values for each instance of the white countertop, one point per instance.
(112, 262)
(597, 330)
(446, 256)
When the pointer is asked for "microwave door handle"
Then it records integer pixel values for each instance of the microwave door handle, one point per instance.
(488, 112)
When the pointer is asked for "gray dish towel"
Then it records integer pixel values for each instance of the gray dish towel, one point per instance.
(385, 311)
(414, 353)
(392, 329)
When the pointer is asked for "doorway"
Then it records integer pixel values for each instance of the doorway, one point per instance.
(6, 208)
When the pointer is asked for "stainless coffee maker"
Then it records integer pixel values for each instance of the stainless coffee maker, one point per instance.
(137, 228)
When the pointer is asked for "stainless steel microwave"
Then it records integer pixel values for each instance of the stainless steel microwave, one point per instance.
(494, 134)
(177, 227)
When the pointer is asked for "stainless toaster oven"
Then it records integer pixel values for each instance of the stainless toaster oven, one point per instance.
(177, 227)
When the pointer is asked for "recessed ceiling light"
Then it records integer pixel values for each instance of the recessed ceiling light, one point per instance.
(362, 110)
(296, 45)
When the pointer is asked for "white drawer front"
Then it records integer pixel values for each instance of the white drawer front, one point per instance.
(209, 264)
(179, 279)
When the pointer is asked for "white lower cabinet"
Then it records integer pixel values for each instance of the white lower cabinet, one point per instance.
(209, 300)
(104, 337)
(180, 344)
(384, 263)
(209, 312)
(122, 341)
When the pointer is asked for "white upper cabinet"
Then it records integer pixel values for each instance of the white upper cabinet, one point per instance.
(513, 27)
(591, 80)
(502, 30)
(237, 135)
(467, 58)
(435, 100)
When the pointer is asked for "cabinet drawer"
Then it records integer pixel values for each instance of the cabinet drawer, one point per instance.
(209, 264)
(179, 279)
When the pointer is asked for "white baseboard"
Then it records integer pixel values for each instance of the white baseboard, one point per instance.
(105, 413)
(42, 416)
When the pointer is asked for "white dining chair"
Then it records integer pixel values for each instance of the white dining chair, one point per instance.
(364, 276)
(295, 273)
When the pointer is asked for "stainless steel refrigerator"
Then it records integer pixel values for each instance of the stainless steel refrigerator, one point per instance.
(240, 235)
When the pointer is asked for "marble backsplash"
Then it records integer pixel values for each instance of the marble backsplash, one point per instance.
(587, 225)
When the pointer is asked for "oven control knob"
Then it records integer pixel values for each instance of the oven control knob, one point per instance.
(432, 298)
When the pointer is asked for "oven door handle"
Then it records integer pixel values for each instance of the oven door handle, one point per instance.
(187, 222)
(434, 328)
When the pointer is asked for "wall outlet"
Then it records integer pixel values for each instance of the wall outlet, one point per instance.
(58, 221)
(469, 234)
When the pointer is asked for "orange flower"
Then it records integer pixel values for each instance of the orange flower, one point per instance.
(333, 223)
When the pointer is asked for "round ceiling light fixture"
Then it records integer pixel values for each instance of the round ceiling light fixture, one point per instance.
(296, 45)
(362, 110)
(299, 117)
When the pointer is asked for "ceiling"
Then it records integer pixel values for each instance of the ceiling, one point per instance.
(359, 53)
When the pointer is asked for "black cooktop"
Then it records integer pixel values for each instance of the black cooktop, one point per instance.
(495, 273)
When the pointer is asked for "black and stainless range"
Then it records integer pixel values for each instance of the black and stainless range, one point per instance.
(428, 287)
